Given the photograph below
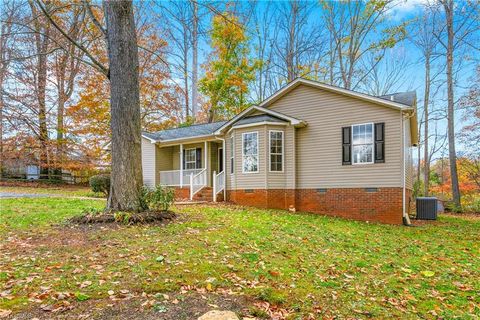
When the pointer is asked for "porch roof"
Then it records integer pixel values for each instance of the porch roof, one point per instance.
(196, 130)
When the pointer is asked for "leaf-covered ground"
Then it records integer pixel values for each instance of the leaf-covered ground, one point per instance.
(279, 263)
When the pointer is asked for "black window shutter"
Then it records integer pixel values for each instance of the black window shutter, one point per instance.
(346, 145)
(379, 142)
(199, 158)
(184, 160)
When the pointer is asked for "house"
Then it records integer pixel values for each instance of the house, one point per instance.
(309, 147)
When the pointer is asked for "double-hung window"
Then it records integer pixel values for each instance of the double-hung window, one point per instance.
(362, 143)
(232, 154)
(190, 159)
(276, 150)
(250, 152)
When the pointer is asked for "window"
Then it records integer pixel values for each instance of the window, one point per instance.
(232, 154)
(190, 159)
(362, 143)
(250, 152)
(276, 150)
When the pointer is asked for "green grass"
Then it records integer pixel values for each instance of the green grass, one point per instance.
(302, 262)
(29, 213)
(60, 190)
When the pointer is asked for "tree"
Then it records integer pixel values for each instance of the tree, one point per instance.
(469, 136)
(42, 43)
(353, 33)
(425, 41)
(229, 71)
(297, 45)
(461, 21)
(126, 176)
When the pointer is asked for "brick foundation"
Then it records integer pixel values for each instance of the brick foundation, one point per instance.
(182, 194)
(367, 204)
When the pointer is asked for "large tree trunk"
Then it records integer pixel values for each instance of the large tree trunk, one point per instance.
(448, 6)
(195, 59)
(426, 153)
(126, 177)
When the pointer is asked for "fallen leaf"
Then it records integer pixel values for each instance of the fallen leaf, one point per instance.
(5, 313)
(427, 273)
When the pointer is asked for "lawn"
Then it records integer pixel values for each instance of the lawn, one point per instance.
(51, 189)
(305, 265)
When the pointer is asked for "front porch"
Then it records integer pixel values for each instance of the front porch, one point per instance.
(195, 169)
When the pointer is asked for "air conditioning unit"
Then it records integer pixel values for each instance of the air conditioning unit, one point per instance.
(427, 208)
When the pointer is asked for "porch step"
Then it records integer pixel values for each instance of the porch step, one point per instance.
(206, 194)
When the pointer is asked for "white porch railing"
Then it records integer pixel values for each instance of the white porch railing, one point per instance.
(172, 177)
(197, 182)
(218, 184)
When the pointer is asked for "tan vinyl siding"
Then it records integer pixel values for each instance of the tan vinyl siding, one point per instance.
(318, 145)
(163, 160)
(256, 180)
(148, 163)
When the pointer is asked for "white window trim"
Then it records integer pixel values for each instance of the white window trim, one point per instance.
(373, 143)
(195, 161)
(232, 154)
(270, 151)
(243, 154)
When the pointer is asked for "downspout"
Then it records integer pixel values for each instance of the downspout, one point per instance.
(406, 217)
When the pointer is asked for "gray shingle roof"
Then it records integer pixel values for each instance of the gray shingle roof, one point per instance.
(259, 118)
(185, 132)
(406, 98)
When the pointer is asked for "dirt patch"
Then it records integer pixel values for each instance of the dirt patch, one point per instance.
(178, 307)
(126, 218)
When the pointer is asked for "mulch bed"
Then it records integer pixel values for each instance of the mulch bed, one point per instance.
(133, 218)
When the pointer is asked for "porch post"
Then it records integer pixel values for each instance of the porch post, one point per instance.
(224, 169)
(205, 155)
(214, 177)
(181, 165)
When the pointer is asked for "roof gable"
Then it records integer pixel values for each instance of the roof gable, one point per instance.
(387, 102)
(268, 112)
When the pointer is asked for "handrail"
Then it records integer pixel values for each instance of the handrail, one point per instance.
(197, 182)
(172, 177)
(218, 184)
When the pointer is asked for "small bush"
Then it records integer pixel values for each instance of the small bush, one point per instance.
(160, 198)
(100, 183)
(123, 217)
(144, 195)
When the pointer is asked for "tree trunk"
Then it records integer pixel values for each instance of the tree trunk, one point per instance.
(185, 71)
(426, 153)
(60, 127)
(448, 6)
(42, 43)
(126, 176)
(195, 59)
(291, 73)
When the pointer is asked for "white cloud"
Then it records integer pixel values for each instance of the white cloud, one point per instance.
(402, 8)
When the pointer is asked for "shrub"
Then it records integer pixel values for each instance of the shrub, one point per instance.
(160, 198)
(100, 183)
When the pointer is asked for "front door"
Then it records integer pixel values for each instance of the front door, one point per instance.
(220, 160)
